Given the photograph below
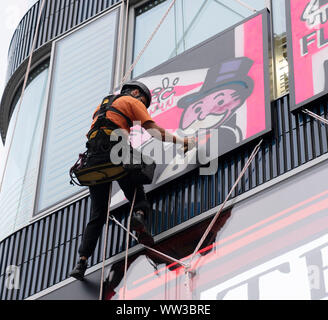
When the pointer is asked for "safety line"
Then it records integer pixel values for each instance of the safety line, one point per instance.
(127, 242)
(315, 116)
(147, 44)
(105, 241)
(210, 226)
(23, 89)
(188, 270)
(149, 248)
(246, 5)
(124, 41)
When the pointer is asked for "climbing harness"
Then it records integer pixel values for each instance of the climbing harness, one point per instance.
(94, 166)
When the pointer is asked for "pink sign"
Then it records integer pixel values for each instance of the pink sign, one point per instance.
(218, 88)
(307, 50)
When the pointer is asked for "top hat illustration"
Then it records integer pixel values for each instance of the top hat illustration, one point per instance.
(229, 73)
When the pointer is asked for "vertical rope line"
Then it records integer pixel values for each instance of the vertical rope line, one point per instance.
(127, 242)
(126, 22)
(120, 44)
(105, 242)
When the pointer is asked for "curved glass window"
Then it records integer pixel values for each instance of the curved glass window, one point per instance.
(188, 23)
(20, 178)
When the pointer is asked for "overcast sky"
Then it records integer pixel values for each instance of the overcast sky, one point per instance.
(11, 12)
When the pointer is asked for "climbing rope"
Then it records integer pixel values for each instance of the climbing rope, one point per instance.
(127, 242)
(124, 40)
(315, 116)
(210, 226)
(163, 255)
(105, 241)
(189, 272)
(246, 5)
(128, 73)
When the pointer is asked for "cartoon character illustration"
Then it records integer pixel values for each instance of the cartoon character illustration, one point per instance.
(214, 106)
(225, 89)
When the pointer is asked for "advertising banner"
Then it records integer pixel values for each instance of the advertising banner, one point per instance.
(278, 252)
(218, 90)
(307, 36)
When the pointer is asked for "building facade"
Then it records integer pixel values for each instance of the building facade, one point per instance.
(270, 241)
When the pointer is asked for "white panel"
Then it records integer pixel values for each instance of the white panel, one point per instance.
(81, 77)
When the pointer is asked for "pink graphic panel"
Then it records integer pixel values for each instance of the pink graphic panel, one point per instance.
(254, 50)
(308, 49)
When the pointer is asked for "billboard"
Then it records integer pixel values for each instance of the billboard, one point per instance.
(220, 88)
(278, 252)
(307, 36)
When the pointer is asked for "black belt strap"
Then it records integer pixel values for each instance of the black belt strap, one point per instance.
(106, 105)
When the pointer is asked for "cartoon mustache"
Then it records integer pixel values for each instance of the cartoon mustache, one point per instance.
(209, 121)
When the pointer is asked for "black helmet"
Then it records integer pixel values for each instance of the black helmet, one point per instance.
(139, 85)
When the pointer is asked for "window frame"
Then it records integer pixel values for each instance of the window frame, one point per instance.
(131, 29)
(37, 214)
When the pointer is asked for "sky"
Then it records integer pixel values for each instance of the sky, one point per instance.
(11, 12)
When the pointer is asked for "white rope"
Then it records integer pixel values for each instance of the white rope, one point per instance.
(315, 116)
(124, 42)
(23, 89)
(210, 226)
(149, 248)
(187, 267)
(127, 242)
(246, 5)
(105, 242)
(147, 44)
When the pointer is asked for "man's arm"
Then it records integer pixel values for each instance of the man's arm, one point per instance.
(160, 133)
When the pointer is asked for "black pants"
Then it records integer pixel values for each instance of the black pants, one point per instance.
(99, 205)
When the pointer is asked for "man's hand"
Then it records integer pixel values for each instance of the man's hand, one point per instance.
(188, 144)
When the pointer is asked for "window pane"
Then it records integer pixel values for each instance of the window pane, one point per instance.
(280, 48)
(19, 184)
(81, 77)
(162, 44)
(203, 19)
(188, 23)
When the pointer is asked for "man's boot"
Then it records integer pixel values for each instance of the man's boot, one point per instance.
(79, 270)
(139, 225)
